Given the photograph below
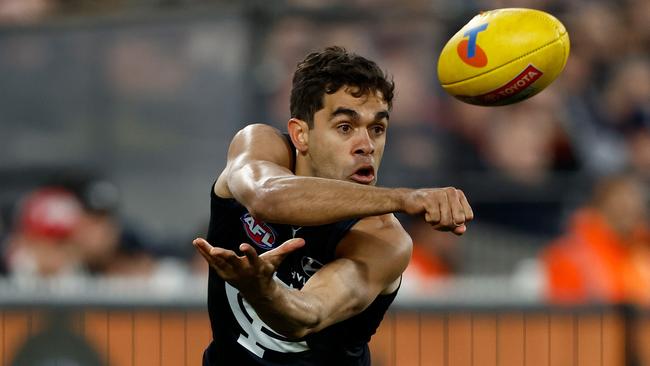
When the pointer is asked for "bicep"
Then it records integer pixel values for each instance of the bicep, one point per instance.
(367, 263)
(256, 153)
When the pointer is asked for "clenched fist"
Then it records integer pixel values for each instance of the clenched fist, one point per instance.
(446, 209)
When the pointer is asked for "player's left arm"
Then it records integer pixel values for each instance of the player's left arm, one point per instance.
(370, 260)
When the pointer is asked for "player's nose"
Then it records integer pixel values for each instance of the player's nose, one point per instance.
(363, 143)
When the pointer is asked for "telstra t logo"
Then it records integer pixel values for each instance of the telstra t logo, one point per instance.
(469, 51)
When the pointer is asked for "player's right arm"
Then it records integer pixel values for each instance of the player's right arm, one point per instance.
(258, 175)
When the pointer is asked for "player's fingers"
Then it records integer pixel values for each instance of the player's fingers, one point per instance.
(205, 249)
(456, 207)
(277, 255)
(219, 256)
(224, 271)
(469, 213)
(432, 215)
(446, 218)
(214, 261)
(228, 256)
(250, 253)
(202, 245)
(205, 255)
(460, 230)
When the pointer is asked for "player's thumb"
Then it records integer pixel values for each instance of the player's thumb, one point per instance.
(460, 230)
(277, 255)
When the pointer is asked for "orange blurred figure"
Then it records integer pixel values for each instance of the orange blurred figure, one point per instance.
(604, 256)
(434, 257)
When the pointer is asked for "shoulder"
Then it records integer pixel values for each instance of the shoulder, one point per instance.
(257, 131)
(260, 142)
(254, 144)
(259, 128)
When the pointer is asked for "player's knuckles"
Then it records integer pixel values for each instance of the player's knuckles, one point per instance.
(451, 192)
(437, 196)
(461, 195)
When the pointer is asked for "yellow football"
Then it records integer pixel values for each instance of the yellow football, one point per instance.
(503, 56)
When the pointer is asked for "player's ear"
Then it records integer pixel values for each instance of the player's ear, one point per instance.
(299, 133)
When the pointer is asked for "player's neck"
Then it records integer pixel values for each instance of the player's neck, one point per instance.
(303, 166)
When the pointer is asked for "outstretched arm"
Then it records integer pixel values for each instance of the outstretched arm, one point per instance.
(258, 175)
(370, 260)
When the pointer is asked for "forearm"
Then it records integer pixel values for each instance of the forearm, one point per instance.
(309, 201)
(286, 310)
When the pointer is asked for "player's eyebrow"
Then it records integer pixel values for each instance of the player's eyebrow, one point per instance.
(381, 115)
(351, 113)
(354, 115)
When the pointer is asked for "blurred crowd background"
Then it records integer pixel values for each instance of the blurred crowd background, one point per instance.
(115, 116)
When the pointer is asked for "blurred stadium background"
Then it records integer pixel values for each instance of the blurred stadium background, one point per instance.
(115, 117)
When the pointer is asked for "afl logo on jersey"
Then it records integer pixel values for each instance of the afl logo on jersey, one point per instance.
(259, 232)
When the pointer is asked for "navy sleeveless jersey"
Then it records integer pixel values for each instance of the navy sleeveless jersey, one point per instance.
(240, 337)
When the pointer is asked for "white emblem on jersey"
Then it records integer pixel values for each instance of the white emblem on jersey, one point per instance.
(294, 231)
(256, 329)
(310, 266)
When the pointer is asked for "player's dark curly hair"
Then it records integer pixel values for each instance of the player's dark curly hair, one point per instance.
(326, 72)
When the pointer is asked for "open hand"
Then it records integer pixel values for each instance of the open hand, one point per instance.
(249, 272)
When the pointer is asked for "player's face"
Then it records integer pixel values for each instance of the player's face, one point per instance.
(348, 137)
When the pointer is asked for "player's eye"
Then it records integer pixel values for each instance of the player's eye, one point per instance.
(344, 128)
(377, 130)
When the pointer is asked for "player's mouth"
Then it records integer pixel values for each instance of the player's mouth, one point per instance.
(364, 175)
